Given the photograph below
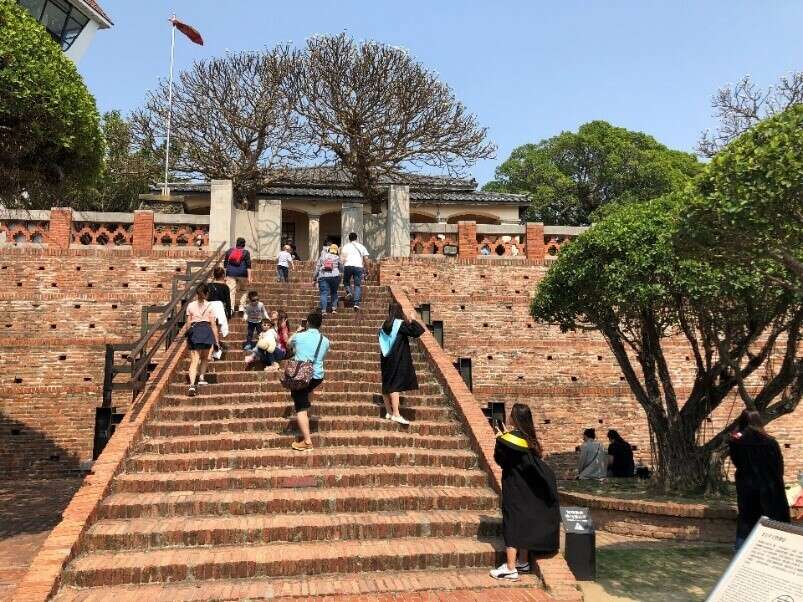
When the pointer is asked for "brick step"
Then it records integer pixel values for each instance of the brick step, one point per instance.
(155, 533)
(325, 439)
(274, 386)
(254, 374)
(306, 478)
(283, 425)
(347, 339)
(284, 409)
(175, 565)
(341, 363)
(336, 354)
(453, 585)
(241, 502)
(287, 458)
(206, 397)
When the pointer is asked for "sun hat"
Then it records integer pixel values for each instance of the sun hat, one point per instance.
(333, 249)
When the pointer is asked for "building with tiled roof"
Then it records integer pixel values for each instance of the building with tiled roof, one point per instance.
(319, 202)
(72, 23)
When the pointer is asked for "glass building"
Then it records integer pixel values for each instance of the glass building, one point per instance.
(72, 24)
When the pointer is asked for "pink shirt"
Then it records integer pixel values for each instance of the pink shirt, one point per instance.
(197, 312)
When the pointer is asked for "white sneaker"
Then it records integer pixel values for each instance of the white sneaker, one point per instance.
(502, 572)
(400, 419)
(523, 567)
(202, 381)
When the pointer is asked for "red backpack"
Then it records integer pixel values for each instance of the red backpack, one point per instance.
(236, 256)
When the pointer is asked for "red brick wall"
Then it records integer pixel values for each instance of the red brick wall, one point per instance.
(52, 343)
(570, 380)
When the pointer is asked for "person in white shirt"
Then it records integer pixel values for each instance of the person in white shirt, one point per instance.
(353, 255)
(283, 264)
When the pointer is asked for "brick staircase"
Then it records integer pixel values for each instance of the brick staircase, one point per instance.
(214, 505)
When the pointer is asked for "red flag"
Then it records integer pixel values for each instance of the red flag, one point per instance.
(188, 31)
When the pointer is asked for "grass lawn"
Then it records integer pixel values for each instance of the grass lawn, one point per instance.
(636, 489)
(657, 574)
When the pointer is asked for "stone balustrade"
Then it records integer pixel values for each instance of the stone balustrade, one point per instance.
(64, 228)
(467, 240)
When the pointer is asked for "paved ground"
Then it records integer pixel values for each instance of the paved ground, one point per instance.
(630, 569)
(28, 511)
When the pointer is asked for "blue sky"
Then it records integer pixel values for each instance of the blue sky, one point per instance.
(529, 69)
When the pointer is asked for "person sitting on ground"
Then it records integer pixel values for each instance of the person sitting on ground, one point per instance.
(530, 507)
(353, 255)
(237, 263)
(309, 345)
(398, 372)
(759, 480)
(327, 274)
(254, 312)
(284, 262)
(620, 457)
(282, 330)
(201, 330)
(267, 348)
(593, 461)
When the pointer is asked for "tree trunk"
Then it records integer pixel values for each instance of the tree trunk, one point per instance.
(683, 466)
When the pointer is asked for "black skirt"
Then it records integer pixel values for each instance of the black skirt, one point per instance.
(398, 372)
(200, 336)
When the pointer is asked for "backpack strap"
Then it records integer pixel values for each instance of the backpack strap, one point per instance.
(317, 349)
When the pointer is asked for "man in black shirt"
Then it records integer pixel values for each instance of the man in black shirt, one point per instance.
(620, 456)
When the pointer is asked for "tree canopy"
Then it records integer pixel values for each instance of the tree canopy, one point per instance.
(50, 139)
(375, 111)
(740, 106)
(571, 175)
(626, 278)
(750, 203)
(233, 118)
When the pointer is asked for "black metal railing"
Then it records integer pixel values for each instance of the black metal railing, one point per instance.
(136, 359)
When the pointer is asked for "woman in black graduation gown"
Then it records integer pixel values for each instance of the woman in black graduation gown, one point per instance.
(398, 373)
(530, 508)
(759, 475)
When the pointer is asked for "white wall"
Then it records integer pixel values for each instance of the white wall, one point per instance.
(81, 44)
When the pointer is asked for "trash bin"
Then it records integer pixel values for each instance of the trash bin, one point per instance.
(581, 539)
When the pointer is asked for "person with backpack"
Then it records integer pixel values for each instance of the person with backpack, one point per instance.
(353, 255)
(530, 506)
(327, 274)
(305, 372)
(237, 263)
(396, 361)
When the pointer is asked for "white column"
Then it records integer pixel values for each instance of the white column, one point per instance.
(221, 214)
(351, 220)
(314, 238)
(398, 240)
(269, 228)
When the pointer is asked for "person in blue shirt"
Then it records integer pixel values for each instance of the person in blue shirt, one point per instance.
(308, 346)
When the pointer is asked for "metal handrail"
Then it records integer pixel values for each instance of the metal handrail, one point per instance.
(163, 330)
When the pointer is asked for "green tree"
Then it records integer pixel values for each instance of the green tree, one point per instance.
(50, 140)
(626, 278)
(569, 176)
(128, 168)
(750, 205)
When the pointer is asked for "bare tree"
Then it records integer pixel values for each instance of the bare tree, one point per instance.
(232, 119)
(741, 106)
(376, 112)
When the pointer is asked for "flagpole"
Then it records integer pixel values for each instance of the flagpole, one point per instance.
(166, 188)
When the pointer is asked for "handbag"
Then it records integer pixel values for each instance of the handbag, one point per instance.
(297, 375)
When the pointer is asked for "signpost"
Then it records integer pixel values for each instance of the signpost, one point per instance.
(767, 568)
(581, 542)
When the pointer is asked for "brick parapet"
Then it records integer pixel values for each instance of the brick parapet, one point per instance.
(535, 241)
(466, 240)
(143, 231)
(62, 545)
(59, 233)
(554, 572)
